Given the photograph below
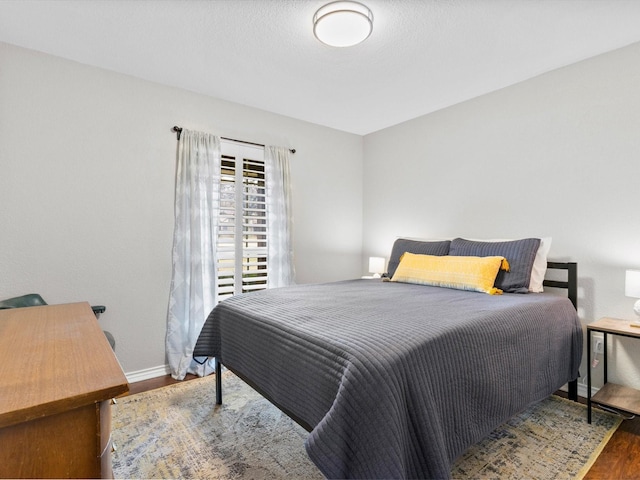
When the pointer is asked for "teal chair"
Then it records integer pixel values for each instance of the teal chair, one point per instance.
(35, 300)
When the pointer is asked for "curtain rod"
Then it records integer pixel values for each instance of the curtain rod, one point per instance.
(178, 131)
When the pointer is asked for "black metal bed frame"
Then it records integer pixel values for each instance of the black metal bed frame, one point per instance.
(571, 284)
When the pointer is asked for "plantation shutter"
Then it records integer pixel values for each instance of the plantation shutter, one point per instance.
(242, 227)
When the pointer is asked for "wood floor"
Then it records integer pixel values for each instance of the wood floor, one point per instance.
(620, 459)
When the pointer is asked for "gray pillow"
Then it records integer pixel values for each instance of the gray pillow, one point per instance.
(401, 245)
(519, 253)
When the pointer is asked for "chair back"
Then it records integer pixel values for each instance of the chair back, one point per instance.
(29, 300)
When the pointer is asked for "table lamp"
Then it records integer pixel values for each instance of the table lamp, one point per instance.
(376, 266)
(632, 289)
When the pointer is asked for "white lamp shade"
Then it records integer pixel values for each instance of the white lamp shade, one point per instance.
(632, 284)
(376, 265)
(343, 23)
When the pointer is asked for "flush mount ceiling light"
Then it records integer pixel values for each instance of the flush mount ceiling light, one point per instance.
(343, 23)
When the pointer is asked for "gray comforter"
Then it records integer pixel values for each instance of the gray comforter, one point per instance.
(395, 380)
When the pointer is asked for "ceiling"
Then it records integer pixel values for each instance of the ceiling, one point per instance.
(422, 56)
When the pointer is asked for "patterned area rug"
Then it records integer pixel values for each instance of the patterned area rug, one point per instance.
(550, 440)
(178, 432)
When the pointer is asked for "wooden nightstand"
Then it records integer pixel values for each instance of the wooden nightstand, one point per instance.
(611, 395)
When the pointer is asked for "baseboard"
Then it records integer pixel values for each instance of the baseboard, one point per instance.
(147, 373)
(582, 390)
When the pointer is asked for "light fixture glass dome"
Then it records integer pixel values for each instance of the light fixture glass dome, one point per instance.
(343, 23)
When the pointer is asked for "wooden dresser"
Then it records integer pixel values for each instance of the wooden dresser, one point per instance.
(58, 375)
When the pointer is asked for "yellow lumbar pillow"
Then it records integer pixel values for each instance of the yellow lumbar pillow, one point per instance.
(477, 274)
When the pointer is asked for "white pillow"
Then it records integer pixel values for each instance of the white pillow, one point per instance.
(539, 269)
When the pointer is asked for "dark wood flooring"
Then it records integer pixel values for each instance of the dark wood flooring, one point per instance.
(620, 459)
(145, 385)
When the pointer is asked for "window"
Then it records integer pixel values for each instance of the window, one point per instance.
(242, 223)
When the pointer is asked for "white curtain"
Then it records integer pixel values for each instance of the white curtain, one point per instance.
(193, 285)
(280, 221)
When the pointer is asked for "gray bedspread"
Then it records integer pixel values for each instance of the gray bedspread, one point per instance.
(395, 380)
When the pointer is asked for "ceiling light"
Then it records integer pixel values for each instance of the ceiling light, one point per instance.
(343, 23)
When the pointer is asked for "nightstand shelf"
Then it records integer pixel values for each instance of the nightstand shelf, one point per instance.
(618, 397)
(611, 395)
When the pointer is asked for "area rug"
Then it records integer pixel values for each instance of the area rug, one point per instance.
(178, 432)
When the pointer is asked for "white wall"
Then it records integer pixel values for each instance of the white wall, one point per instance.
(558, 155)
(87, 169)
(87, 162)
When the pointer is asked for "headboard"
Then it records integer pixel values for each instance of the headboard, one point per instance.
(571, 284)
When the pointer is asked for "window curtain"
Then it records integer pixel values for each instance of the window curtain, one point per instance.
(193, 282)
(280, 271)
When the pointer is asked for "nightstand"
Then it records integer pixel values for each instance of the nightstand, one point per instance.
(611, 395)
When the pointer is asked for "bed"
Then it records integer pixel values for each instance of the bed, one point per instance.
(395, 379)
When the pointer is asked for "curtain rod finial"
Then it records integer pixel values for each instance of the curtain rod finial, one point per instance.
(178, 130)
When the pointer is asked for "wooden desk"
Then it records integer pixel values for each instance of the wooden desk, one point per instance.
(58, 375)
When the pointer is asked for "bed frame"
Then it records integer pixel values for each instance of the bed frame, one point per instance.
(570, 284)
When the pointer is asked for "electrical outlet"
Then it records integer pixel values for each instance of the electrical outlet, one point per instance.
(598, 347)
(597, 340)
